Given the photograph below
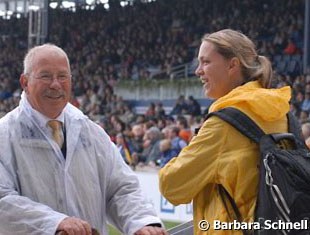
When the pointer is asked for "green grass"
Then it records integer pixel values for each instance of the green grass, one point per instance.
(168, 224)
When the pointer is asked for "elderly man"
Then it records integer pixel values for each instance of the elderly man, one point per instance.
(59, 171)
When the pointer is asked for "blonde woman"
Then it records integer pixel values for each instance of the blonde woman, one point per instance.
(233, 74)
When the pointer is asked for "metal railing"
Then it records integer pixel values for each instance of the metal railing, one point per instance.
(182, 229)
(186, 70)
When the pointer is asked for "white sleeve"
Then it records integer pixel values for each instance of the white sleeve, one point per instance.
(127, 208)
(19, 215)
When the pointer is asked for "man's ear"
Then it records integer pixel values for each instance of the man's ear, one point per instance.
(23, 80)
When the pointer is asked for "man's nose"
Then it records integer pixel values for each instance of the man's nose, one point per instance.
(55, 82)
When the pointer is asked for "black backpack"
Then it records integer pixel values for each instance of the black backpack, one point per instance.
(284, 181)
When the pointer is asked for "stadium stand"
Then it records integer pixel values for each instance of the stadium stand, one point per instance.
(156, 40)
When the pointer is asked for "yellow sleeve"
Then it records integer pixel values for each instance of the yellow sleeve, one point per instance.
(196, 166)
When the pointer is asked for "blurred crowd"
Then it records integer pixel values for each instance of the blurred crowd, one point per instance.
(143, 42)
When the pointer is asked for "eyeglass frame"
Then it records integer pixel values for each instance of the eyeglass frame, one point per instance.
(49, 77)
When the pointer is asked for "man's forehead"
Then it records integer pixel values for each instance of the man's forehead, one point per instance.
(49, 52)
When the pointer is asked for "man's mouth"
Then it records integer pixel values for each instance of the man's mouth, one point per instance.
(54, 96)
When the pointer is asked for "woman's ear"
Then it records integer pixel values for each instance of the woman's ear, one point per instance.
(234, 67)
(235, 72)
(234, 63)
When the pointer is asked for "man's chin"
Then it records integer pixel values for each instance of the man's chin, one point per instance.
(53, 110)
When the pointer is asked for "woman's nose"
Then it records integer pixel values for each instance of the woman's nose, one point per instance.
(198, 71)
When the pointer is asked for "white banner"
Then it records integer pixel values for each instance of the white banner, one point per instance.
(165, 210)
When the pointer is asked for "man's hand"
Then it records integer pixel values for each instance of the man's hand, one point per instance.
(74, 226)
(151, 230)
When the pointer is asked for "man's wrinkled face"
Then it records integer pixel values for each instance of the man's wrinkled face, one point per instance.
(48, 84)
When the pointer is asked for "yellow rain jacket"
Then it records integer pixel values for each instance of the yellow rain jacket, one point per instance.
(219, 154)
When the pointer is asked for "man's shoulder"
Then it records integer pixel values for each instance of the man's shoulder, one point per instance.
(9, 121)
(95, 130)
(10, 117)
(76, 116)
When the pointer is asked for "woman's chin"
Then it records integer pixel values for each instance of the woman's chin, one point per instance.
(207, 94)
(210, 96)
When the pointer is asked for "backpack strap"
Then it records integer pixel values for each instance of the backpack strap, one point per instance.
(248, 128)
(295, 128)
(241, 122)
(223, 193)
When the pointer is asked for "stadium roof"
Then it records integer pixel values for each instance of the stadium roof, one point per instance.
(17, 7)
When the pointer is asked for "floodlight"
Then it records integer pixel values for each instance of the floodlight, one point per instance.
(106, 6)
(53, 5)
(33, 8)
(123, 3)
(68, 4)
(19, 8)
(89, 2)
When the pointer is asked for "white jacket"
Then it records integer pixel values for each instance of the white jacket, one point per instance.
(39, 188)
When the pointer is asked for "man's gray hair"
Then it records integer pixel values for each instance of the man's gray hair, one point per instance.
(28, 60)
(155, 133)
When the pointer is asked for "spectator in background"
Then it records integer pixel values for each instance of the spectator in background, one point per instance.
(166, 132)
(161, 123)
(297, 101)
(279, 42)
(195, 122)
(295, 109)
(97, 65)
(140, 119)
(125, 148)
(305, 129)
(291, 47)
(305, 106)
(126, 114)
(177, 143)
(150, 112)
(151, 153)
(167, 151)
(307, 141)
(102, 64)
(45, 145)
(185, 132)
(118, 126)
(170, 120)
(159, 110)
(193, 107)
(137, 141)
(231, 71)
(180, 106)
(304, 116)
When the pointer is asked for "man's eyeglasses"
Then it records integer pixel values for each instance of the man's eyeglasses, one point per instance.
(49, 77)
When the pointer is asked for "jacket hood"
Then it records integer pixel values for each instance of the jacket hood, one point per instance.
(268, 104)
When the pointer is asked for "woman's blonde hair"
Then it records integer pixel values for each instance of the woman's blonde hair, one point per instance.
(230, 43)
